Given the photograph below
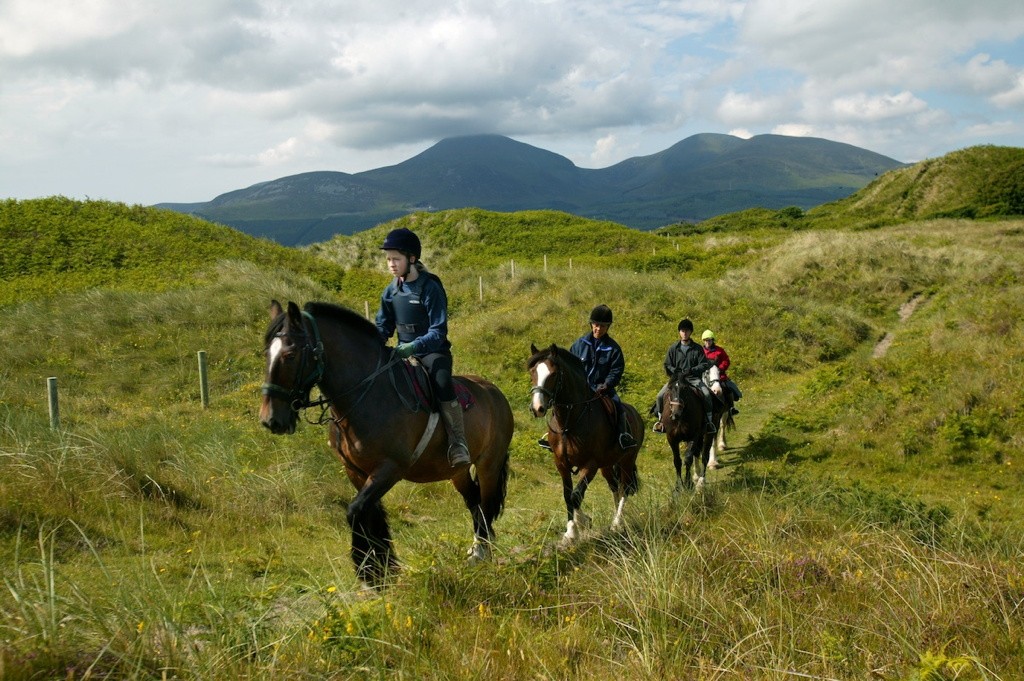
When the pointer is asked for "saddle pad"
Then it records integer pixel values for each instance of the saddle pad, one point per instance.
(424, 389)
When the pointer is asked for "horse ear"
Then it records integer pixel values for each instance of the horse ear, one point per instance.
(533, 349)
(294, 314)
(553, 349)
(275, 309)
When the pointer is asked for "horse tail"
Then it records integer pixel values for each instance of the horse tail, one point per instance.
(372, 550)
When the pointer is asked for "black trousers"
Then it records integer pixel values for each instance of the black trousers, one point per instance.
(439, 366)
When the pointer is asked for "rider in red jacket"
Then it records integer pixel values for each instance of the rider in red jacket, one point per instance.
(720, 357)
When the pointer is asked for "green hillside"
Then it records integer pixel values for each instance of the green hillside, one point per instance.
(57, 245)
(866, 522)
(977, 182)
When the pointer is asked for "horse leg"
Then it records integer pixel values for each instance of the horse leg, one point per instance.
(677, 461)
(372, 551)
(721, 444)
(706, 444)
(616, 476)
(688, 480)
(576, 519)
(485, 499)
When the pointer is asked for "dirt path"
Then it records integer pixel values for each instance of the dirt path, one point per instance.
(906, 309)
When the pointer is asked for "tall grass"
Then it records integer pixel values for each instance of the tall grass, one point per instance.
(151, 538)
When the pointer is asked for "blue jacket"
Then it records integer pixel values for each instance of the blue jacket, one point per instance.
(419, 312)
(603, 361)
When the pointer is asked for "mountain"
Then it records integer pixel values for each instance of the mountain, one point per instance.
(700, 177)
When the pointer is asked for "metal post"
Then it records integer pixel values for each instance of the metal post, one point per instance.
(204, 385)
(51, 391)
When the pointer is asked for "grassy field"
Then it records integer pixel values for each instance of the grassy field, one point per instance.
(865, 524)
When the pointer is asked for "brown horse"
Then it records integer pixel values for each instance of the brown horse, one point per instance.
(582, 434)
(687, 422)
(378, 428)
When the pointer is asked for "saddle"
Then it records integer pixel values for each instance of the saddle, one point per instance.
(426, 392)
(610, 410)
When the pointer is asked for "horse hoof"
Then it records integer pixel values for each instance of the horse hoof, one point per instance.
(699, 487)
(712, 465)
(479, 553)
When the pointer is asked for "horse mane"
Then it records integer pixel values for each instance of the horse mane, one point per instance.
(338, 313)
(344, 316)
(570, 361)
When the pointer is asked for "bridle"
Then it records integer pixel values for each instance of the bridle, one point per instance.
(311, 368)
(549, 401)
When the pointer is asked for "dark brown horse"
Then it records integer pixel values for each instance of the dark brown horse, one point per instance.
(685, 421)
(378, 429)
(582, 434)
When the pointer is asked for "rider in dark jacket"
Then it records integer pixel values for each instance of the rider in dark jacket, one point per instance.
(604, 365)
(416, 306)
(685, 359)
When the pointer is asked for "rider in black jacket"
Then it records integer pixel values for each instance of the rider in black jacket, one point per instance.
(686, 359)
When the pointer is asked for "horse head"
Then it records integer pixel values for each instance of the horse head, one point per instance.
(543, 378)
(294, 365)
(682, 399)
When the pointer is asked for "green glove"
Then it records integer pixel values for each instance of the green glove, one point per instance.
(405, 350)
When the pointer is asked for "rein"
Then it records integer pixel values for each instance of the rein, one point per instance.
(566, 406)
(298, 397)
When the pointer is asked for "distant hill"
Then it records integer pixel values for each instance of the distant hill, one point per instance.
(700, 177)
(57, 246)
(978, 182)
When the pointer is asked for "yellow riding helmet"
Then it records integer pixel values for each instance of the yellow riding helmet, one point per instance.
(708, 333)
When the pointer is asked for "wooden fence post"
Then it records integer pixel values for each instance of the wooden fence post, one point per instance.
(51, 392)
(204, 385)
(481, 289)
(366, 309)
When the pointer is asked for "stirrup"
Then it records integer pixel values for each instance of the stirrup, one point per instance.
(460, 456)
(630, 441)
(658, 426)
(543, 442)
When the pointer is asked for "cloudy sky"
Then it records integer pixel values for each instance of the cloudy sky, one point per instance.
(144, 101)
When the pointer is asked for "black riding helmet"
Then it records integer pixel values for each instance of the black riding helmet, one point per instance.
(404, 240)
(602, 314)
(686, 324)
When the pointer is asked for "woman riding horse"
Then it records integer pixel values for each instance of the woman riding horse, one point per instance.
(379, 429)
(415, 303)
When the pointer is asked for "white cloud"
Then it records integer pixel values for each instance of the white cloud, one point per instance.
(1013, 97)
(178, 101)
(864, 107)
